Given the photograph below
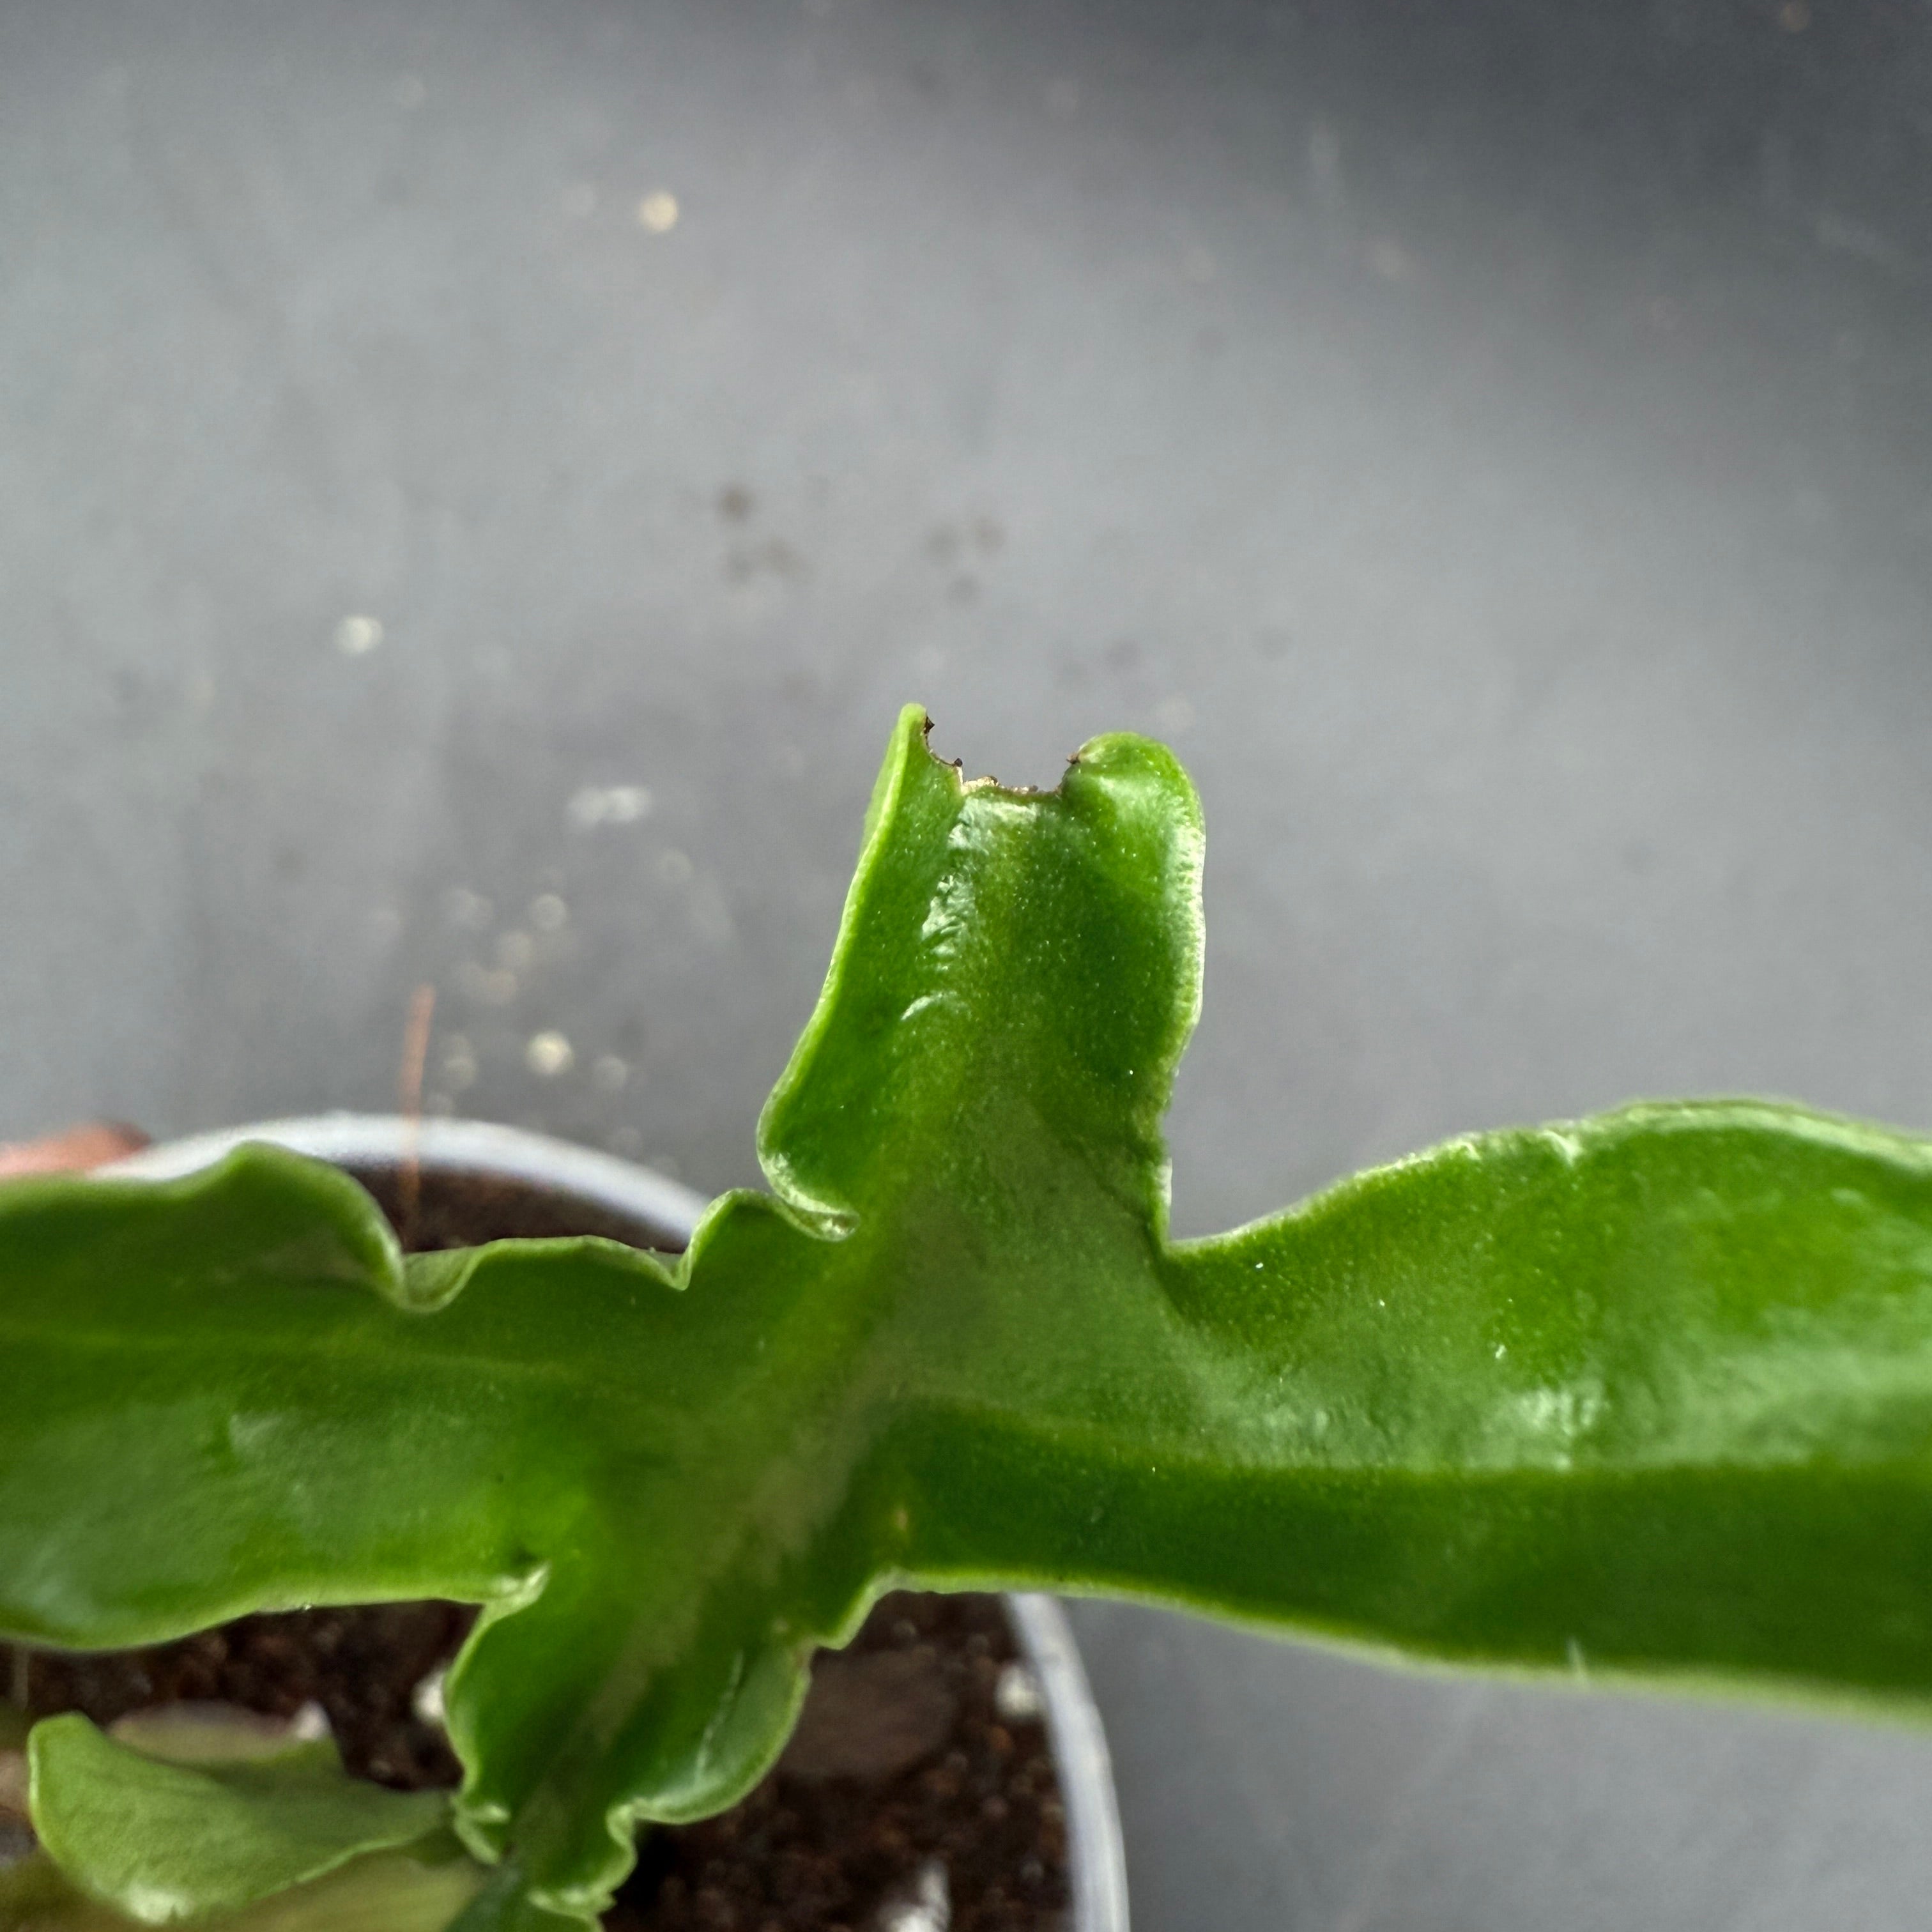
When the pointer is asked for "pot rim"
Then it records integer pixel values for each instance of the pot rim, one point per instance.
(1095, 1857)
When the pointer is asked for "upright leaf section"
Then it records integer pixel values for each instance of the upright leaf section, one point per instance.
(1016, 971)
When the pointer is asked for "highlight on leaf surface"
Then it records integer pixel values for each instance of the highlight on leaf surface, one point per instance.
(1653, 1390)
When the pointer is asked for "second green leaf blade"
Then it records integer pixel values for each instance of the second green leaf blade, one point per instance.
(162, 1840)
(1646, 1393)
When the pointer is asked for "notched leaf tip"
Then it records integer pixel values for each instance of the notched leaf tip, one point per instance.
(988, 781)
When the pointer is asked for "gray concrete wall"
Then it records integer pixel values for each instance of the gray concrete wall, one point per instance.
(1490, 442)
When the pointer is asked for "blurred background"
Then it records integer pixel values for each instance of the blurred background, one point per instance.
(477, 480)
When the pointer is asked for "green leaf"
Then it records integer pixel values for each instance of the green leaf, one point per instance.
(192, 1732)
(36, 1896)
(1649, 1393)
(504, 1905)
(163, 1840)
(422, 1890)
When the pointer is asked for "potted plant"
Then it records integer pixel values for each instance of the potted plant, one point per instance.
(1651, 1392)
(871, 1792)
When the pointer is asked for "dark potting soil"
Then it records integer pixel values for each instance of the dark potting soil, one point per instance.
(916, 1774)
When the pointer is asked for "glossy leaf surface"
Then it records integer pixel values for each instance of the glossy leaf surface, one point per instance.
(1651, 1393)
